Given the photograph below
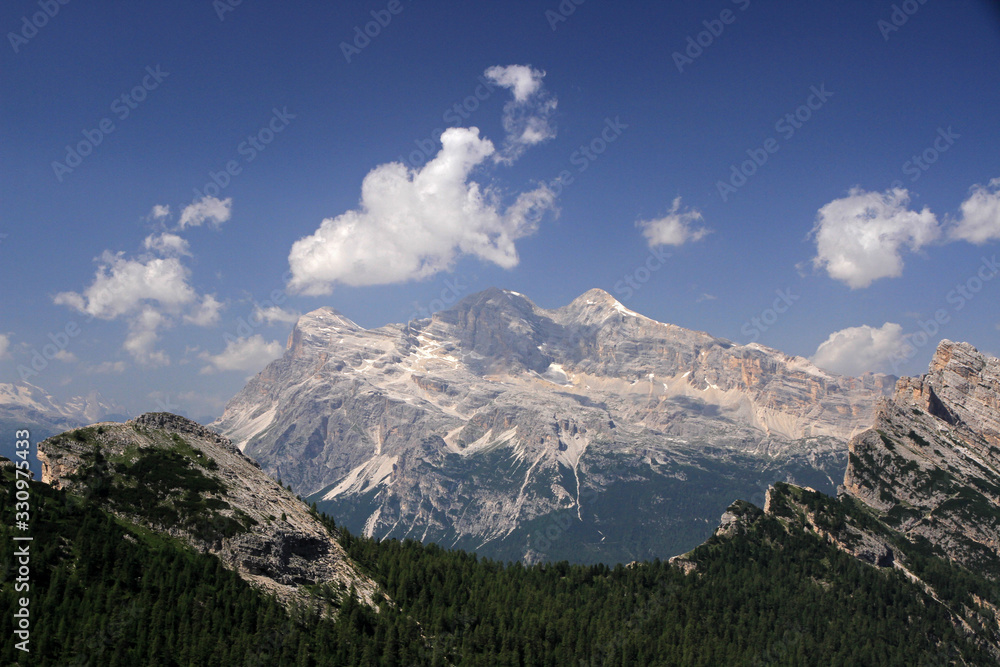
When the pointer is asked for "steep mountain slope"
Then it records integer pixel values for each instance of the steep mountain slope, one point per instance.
(587, 432)
(921, 492)
(171, 475)
(931, 464)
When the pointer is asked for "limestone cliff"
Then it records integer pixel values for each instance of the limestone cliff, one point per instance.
(524, 432)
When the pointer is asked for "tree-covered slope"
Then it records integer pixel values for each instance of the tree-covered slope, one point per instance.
(104, 592)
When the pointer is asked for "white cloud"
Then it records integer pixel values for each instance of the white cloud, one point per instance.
(143, 334)
(980, 221)
(522, 80)
(121, 285)
(159, 212)
(861, 238)
(676, 228)
(526, 118)
(167, 244)
(243, 354)
(65, 356)
(4, 345)
(206, 314)
(273, 314)
(106, 367)
(857, 350)
(411, 224)
(150, 292)
(210, 209)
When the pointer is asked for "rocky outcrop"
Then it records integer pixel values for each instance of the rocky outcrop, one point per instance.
(921, 493)
(931, 464)
(175, 476)
(478, 426)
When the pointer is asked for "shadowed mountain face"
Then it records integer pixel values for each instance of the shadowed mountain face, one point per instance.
(587, 432)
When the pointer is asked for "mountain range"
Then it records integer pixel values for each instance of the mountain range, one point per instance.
(25, 406)
(903, 562)
(588, 432)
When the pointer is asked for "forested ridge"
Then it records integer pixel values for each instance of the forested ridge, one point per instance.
(108, 593)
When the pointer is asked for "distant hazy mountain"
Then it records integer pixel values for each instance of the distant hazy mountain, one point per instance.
(25, 406)
(588, 432)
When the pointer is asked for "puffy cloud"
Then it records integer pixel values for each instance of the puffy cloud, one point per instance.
(167, 244)
(206, 314)
(106, 367)
(857, 350)
(411, 224)
(980, 220)
(273, 315)
(861, 238)
(150, 292)
(121, 285)
(65, 356)
(143, 333)
(526, 118)
(522, 80)
(243, 354)
(675, 228)
(4, 345)
(159, 212)
(206, 209)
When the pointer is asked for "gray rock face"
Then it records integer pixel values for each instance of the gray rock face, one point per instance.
(256, 527)
(529, 433)
(921, 492)
(932, 461)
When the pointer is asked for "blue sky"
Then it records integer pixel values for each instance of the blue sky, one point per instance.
(837, 228)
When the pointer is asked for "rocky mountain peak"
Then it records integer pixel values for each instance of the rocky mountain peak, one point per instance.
(595, 307)
(470, 427)
(961, 387)
(931, 464)
(500, 326)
